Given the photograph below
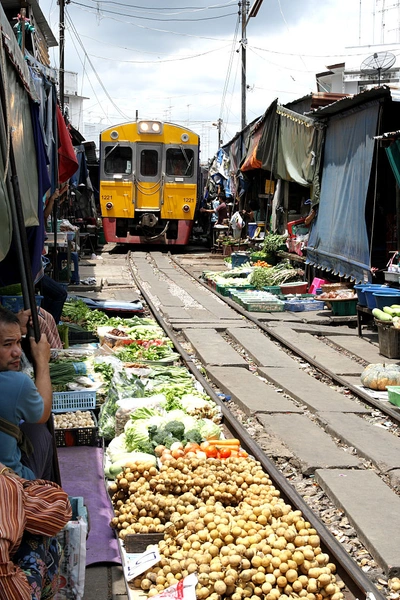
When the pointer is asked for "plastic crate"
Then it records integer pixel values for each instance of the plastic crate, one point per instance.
(343, 308)
(273, 289)
(70, 401)
(223, 289)
(304, 305)
(389, 340)
(394, 394)
(263, 306)
(77, 436)
(16, 303)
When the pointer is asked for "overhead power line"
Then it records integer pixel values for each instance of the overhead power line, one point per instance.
(104, 10)
(157, 8)
(155, 62)
(73, 28)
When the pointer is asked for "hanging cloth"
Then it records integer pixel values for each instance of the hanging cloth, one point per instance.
(67, 161)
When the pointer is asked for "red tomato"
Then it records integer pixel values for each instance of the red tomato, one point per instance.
(211, 451)
(224, 453)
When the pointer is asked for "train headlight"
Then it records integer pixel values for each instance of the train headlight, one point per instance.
(186, 208)
(150, 127)
(109, 205)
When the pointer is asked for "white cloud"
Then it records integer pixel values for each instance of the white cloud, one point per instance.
(288, 42)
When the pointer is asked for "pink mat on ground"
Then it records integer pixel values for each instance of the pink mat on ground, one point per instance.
(81, 469)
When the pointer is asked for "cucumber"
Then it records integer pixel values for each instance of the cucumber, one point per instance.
(389, 310)
(380, 315)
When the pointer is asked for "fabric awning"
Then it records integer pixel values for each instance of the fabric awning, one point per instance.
(393, 154)
(251, 161)
(300, 141)
(338, 239)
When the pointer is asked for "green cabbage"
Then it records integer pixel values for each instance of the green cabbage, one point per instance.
(208, 429)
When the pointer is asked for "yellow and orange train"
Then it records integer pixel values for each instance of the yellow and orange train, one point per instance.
(149, 173)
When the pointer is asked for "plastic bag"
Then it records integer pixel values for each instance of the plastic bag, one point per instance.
(236, 221)
(123, 385)
(73, 560)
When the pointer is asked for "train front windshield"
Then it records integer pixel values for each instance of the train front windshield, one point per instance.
(118, 159)
(179, 162)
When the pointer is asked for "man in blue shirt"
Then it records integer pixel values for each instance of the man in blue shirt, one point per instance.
(21, 398)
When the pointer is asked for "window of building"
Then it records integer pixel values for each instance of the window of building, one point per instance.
(180, 162)
(118, 159)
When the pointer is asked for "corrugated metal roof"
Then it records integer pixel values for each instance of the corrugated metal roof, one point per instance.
(325, 98)
(350, 102)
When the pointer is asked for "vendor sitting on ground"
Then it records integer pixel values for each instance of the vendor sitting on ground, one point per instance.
(24, 400)
(31, 513)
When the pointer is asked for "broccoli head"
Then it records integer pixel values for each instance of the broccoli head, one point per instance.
(145, 446)
(169, 441)
(193, 436)
(176, 429)
(160, 437)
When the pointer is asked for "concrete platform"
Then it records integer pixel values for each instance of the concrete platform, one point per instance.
(372, 509)
(250, 393)
(212, 349)
(316, 395)
(313, 448)
(261, 348)
(221, 325)
(378, 445)
(315, 349)
(359, 347)
(105, 583)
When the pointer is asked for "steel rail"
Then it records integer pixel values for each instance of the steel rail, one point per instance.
(353, 577)
(387, 410)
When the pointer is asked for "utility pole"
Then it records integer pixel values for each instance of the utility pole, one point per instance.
(218, 125)
(61, 29)
(243, 4)
(242, 8)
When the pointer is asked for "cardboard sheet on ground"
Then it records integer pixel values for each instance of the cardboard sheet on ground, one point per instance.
(81, 469)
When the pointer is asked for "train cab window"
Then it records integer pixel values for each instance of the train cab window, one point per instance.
(118, 159)
(149, 163)
(180, 162)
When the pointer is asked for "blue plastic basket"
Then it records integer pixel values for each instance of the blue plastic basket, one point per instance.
(383, 298)
(71, 401)
(16, 303)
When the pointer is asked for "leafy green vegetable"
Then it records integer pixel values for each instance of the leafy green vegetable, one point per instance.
(273, 242)
(209, 429)
(176, 429)
(122, 386)
(193, 435)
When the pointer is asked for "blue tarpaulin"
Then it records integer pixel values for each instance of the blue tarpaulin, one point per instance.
(338, 239)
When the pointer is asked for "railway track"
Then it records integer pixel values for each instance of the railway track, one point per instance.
(365, 397)
(358, 584)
